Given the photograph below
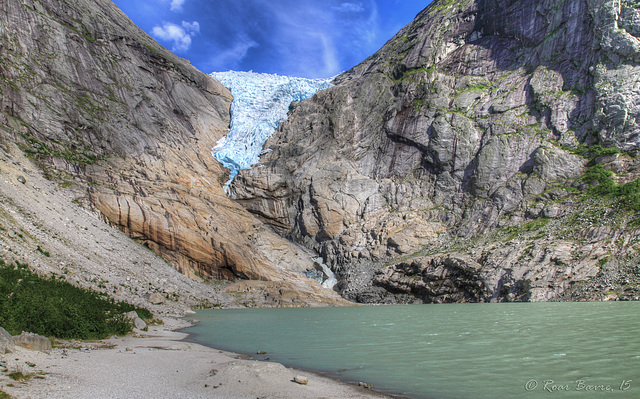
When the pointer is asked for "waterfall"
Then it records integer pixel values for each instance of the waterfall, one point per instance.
(331, 279)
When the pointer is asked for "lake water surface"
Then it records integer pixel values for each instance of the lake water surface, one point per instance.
(511, 350)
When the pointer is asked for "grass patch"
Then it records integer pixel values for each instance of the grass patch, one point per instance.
(43, 252)
(4, 395)
(19, 376)
(55, 308)
(522, 228)
(628, 195)
(593, 151)
(597, 173)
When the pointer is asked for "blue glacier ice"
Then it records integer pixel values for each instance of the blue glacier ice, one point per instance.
(260, 104)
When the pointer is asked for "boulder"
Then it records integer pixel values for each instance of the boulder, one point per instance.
(301, 380)
(33, 341)
(136, 320)
(156, 299)
(6, 342)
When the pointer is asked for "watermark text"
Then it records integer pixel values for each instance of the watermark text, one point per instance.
(551, 386)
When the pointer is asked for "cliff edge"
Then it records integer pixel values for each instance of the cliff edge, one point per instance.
(488, 152)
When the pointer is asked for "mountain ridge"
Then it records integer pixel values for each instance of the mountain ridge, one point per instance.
(128, 128)
(487, 152)
(450, 166)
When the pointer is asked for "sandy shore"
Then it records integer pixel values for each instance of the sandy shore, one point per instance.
(158, 364)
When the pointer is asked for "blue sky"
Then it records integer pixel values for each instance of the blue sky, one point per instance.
(305, 38)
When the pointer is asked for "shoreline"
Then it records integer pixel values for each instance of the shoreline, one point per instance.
(162, 363)
(374, 390)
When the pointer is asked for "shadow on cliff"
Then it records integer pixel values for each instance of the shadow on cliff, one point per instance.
(560, 37)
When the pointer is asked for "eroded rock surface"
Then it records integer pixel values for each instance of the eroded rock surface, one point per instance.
(410, 175)
(129, 127)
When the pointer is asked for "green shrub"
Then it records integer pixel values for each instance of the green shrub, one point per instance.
(43, 252)
(597, 150)
(51, 307)
(593, 151)
(605, 186)
(526, 227)
(628, 194)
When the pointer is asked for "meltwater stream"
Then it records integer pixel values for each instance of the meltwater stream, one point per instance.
(514, 350)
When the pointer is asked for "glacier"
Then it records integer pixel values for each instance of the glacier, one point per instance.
(260, 104)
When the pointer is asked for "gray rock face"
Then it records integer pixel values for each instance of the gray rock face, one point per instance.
(459, 128)
(136, 320)
(616, 102)
(33, 341)
(7, 343)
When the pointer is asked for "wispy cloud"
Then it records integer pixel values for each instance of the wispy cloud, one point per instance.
(307, 38)
(179, 35)
(349, 7)
(231, 57)
(191, 27)
(368, 30)
(176, 5)
(305, 34)
(331, 65)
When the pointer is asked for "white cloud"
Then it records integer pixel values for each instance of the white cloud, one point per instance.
(368, 30)
(349, 7)
(179, 35)
(176, 5)
(193, 27)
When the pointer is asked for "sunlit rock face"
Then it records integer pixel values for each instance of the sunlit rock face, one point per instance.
(130, 127)
(445, 166)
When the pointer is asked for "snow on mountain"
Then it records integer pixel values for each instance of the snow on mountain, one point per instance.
(260, 104)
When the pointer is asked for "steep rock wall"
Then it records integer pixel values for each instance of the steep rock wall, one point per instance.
(129, 127)
(451, 157)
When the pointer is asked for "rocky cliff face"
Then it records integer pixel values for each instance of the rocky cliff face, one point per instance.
(128, 128)
(450, 165)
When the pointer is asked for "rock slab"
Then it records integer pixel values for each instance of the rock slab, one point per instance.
(136, 320)
(467, 122)
(33, 341)
(137, 143)
(6, 342)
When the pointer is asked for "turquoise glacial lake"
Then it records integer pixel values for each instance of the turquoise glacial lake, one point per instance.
(502, 350)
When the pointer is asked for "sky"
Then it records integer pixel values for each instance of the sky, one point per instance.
(304, 38)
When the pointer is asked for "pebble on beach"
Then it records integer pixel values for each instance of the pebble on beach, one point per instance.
(301, 380)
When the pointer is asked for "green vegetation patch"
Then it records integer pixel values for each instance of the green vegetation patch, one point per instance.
(52, 307)
(593, 151)
(38, 148)
(628, 195)
(20, 376)
(522, 228)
